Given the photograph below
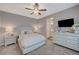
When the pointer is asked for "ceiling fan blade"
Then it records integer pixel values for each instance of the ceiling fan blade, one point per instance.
(43, 10)
(32, 13)
(39, 13)
(28, 8)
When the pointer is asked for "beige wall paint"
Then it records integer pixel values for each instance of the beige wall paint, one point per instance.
(21, 21)
(16, 21)
(65, 14)
(43, 27)
(1, 28)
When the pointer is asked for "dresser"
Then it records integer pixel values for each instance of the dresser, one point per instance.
(69, 40)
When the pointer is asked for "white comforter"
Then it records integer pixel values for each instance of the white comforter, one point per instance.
(30, 39)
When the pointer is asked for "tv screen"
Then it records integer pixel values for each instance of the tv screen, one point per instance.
(66, 22)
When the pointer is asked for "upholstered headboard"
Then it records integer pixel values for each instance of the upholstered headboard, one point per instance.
(26, 29)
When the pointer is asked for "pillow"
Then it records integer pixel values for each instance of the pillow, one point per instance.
(77, 31)
(76, 28)
(26, 32)
(62, 29)
(58, 29)
(66, 29)
(71, 30)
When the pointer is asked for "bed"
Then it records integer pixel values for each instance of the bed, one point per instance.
(30, 42)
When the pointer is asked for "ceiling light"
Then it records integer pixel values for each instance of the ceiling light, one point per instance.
(36, 9)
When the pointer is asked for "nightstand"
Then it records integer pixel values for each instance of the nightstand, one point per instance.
(10, 39)
(1, 40)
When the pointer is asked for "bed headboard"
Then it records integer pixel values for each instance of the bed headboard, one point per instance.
(26, 29)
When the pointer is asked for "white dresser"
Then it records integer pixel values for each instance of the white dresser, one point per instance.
(70, 40)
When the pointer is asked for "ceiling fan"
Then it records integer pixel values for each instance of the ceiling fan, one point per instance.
(36, 9)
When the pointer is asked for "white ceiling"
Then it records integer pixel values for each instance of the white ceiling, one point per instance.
(19, 8)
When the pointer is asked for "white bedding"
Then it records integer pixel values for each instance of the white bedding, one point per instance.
(29, 40)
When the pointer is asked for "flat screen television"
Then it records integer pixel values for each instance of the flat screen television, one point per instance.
(66, 22)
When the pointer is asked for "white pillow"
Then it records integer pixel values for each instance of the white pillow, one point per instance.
(64, 29)
(26, 32)
(76, 28)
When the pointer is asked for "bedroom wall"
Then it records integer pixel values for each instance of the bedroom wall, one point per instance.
(65, 14)
(18, 22)
(0, 18)
(43, 27)
(1, 28)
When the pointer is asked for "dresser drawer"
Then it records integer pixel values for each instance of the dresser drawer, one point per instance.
(74, 46)
(72, 42)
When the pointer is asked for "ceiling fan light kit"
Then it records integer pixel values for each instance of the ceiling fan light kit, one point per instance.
(36, 9)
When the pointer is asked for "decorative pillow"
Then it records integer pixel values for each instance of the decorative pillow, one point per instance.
(76, 27)
(63, 29)
(71, 30)
(58, 29)
(66, 29)
(11, 34)
(26, 32)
